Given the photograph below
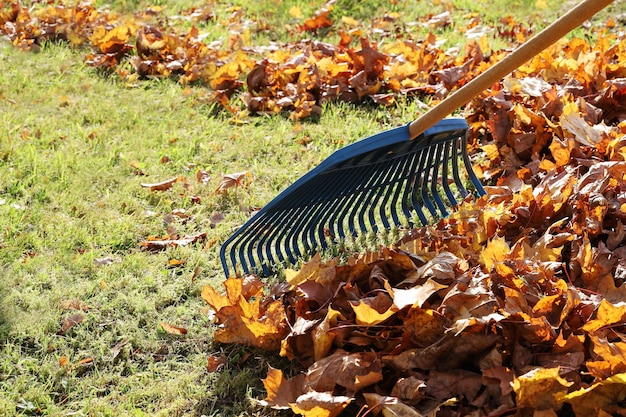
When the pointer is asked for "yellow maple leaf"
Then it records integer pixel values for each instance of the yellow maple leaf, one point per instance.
(368, 316)
(497, 250)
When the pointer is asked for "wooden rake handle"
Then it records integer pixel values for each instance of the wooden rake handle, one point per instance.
(561, 27)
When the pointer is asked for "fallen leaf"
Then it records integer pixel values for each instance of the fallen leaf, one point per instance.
(172, 330)
(230, 181)
(157, 245)
(163, 185)
(215, 363)
(281, 392)
(75, 304)
(69, 322)
(540, 388)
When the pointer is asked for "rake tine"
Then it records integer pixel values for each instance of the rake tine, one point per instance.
(352, 203)
(376, 192)
(433, 182)
(399, 167)
(264, 245)
(417, 185)
(407, 188)
(326, 210)
(470, 172)
(424, 183)
(352, 181)
(401, 185)
(455, 166)
(372, 193)
(445, 172)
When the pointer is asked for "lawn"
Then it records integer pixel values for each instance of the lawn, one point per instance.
(95, 319)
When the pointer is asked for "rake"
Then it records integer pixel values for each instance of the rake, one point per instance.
(411, 173)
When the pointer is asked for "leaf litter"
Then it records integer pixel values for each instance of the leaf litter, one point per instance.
(514, 304)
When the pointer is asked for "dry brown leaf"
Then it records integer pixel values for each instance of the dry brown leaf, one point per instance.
(75, 304)
(281, 392)
(163, 185)
(172, 330)
(161, 244)
(230, 181)
(69, 322)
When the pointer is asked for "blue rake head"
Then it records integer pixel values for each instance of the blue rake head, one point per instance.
(384, 180)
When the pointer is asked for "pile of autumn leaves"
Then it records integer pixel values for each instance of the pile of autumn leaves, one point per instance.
(514, 304)
(295, 77)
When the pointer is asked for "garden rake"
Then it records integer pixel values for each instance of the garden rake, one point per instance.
(390, 179)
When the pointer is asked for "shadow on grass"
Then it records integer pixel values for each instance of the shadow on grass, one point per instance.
(238, 384)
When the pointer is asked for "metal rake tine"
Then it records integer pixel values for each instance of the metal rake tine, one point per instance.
(326, 210)
(290, 234)
(351, 181)
(269, 242)
(401, 185)
(470, 172)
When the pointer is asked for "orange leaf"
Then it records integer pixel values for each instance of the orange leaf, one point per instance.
(281, 392)
(163, 185)
(353, 371)
(497, 251)
(606, 315)
(75, 304)
(245, 324)
(417, 295)
(215, 363)
(173, 330)
(367, 315)
(230, 181)
(323, 336)
(156, 245)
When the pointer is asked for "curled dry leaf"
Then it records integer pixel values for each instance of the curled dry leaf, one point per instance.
(69, 322)
(230, 181)
(215, 363)
(163, 185)
(172, 330)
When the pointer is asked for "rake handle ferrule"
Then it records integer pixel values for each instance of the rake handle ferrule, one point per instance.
(524, 53)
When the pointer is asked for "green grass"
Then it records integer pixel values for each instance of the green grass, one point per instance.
(75, 145)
